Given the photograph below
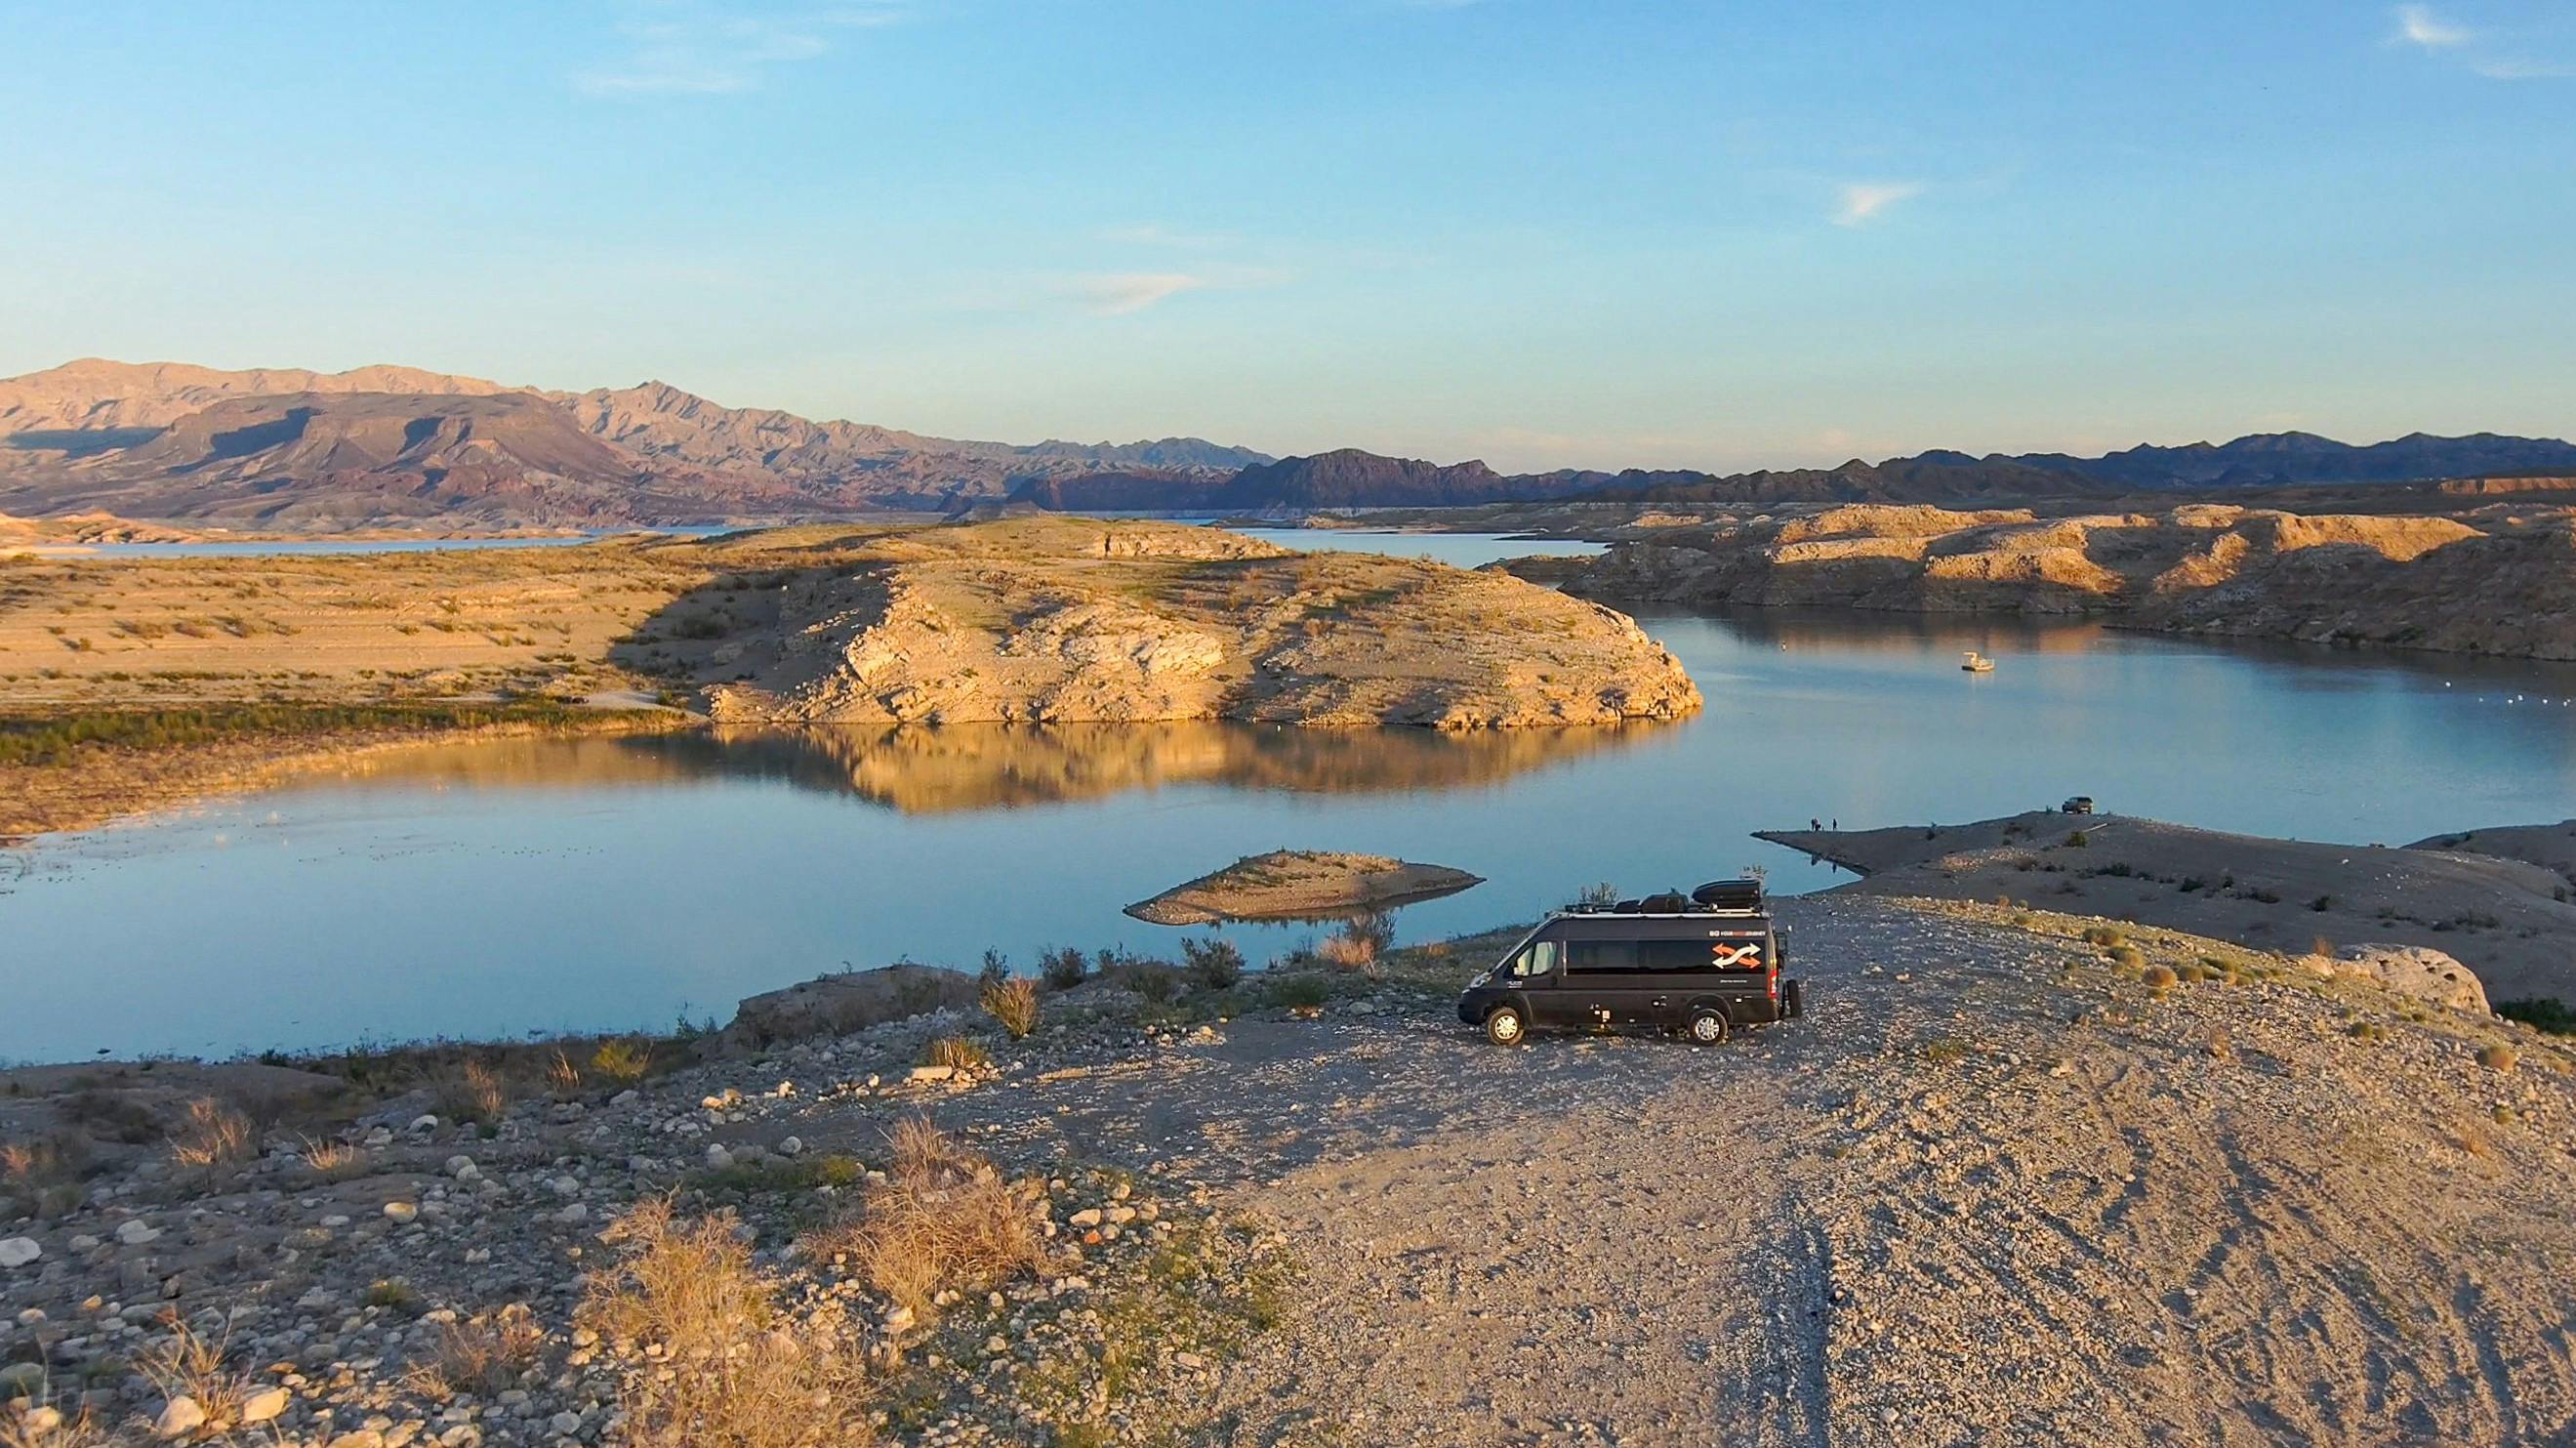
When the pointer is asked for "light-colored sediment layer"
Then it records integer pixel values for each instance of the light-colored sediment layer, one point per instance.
(2508, 921)
(2495, 581)
(1299, 885)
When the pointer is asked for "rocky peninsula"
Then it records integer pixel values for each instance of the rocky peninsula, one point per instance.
(2476, 901)
(1051, 620)
(135, 682)
(2499, 579)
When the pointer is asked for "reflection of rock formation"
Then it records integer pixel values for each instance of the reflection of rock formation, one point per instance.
(922, 770)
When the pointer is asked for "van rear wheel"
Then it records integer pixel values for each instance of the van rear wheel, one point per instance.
(1707, 1027)
(1506, 1026)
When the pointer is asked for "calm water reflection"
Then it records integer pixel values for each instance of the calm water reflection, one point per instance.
(497, 888)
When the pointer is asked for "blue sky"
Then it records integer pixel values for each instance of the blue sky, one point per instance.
(1540, 233)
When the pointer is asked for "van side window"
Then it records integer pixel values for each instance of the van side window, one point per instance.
(1599, 957)
(1539, 959)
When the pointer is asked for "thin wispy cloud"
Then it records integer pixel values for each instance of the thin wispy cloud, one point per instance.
(675, 47)
(2418, 25)
(1117, 294)
(1120, 294)
(1861, 202)
(2484, 53)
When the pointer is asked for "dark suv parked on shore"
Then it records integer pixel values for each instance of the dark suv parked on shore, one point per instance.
(1701, 964)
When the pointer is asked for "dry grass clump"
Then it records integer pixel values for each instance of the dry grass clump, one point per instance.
(1013, 1003)
(190, 1366)
(486, 1354)
(473, 1092)
(957, 1052)
(2498, 1056)
(724, 1369)
(1359, 942)
(2158, 977)
(40, 1422)
(2129, 957)
(334, 1161)
(943, 1217)
(622, 1061)
(213, 1135)
(563, 1078)
(2105, 936)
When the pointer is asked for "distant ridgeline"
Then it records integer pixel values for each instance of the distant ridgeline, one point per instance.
(292, 449)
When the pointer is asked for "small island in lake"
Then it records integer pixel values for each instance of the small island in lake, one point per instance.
(1300, 885)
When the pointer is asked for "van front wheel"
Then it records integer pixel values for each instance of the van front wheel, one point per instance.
(1506, 1027)
(1707, 1027)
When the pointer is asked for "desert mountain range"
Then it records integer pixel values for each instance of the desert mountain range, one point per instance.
(289, 448)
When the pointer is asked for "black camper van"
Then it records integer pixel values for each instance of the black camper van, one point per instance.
(1702, 964)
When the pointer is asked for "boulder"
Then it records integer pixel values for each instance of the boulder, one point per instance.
(836, 1005)
(2418, 971)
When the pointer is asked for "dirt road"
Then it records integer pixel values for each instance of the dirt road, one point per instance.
(1983, 1192)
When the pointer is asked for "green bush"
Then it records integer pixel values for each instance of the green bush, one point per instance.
(1297, 991)
(2545, 1013)
(1063, 969)
(1214, 963)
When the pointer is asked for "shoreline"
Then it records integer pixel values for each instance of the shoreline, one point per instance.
(118, 785)
(1305, 1199)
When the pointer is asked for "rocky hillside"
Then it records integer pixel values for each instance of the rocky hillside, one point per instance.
(2495, 582)
(1045, 620)
(324, 461)
(2283, 458)
(276, 448)
(96, 395)
(73, 434)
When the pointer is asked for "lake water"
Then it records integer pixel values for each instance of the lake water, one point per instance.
(491, 889)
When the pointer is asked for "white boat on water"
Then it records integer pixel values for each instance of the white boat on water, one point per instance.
(1977, 663)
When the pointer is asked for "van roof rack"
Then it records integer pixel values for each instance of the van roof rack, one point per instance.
(1717, 897)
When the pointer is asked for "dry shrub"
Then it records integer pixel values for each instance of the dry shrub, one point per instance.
(190, 1366)
(956, 1052)
(563, 1078)
(474, 1092)
(943, 1217)
(1013, 1003)
(213, 1135)
(622, 1060)
(63, 1427)
(2499, 1057)
(1358, 943)
(334, 1161)
(730, 1373)
(2159, 977)
(483, 1355)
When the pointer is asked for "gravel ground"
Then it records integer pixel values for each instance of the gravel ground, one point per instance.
(1991, 1189)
